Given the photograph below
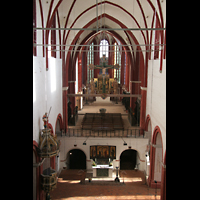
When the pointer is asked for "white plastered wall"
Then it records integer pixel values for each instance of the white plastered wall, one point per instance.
(156, 97)
(67, 144)
(47, 92)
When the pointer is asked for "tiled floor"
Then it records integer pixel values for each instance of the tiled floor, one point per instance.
(70, 188)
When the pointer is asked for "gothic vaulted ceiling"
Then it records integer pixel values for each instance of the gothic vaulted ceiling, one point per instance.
(113, 14)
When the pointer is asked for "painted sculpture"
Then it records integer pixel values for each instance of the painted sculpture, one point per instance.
(45, 120)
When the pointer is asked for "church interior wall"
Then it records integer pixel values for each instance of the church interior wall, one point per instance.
(138, 144)
(156, 97)
(158, 160)
(47, 85)
(47, 92)
(34, 178)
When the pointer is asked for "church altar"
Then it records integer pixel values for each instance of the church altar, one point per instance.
(99, 84)
(103, 156)
(102, 171)
(103, 83)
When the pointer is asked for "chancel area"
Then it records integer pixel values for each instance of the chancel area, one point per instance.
(102, 160)
(99, 99)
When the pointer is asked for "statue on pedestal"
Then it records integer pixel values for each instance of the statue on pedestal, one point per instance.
(45, 120)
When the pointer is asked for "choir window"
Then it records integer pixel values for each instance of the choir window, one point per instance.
(103, 48)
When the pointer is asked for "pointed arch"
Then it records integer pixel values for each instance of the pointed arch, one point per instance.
(76, 158)
(148, 120)
(68, 57)
(59, 118)
(39, 170)
(155, 133)
(151, 182)
(128, 159)
(163, 180)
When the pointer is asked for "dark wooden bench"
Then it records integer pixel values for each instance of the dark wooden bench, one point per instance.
(98, 121)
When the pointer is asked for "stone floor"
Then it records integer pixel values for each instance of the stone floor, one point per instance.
(70, 188)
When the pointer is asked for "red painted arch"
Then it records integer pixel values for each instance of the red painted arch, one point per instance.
(163, 180)
(142, 11)
(39, 170)
(161, 14)
(152, 158)
(34, 25)
(42, 20)
(87, 40)
(148, 119)
(49, 21)
(50, 18)
(94, 34)
(91, 37)
(47, 31)
(155, 132)
(59, 32)
(145, 23)
(59, 118)
(164, 52)
(66, 66)
(48, 25)
(161, 33)
(160, 24)
(70, 10)
(110, 31)
(116, 5)
(116, 21)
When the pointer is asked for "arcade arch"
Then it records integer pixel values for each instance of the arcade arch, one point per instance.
(76, 159)
(156, 159)
(128, 159)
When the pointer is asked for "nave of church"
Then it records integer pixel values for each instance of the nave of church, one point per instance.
(99, 99)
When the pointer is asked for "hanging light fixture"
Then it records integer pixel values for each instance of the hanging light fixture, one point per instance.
(84, 143)
(124, 142)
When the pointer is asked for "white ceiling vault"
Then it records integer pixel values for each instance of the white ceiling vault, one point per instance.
(113, 14)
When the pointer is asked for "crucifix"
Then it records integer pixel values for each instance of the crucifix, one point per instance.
(103, 66)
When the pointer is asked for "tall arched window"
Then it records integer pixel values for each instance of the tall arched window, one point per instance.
(103, 48)
(90, 60)
(117, 60)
